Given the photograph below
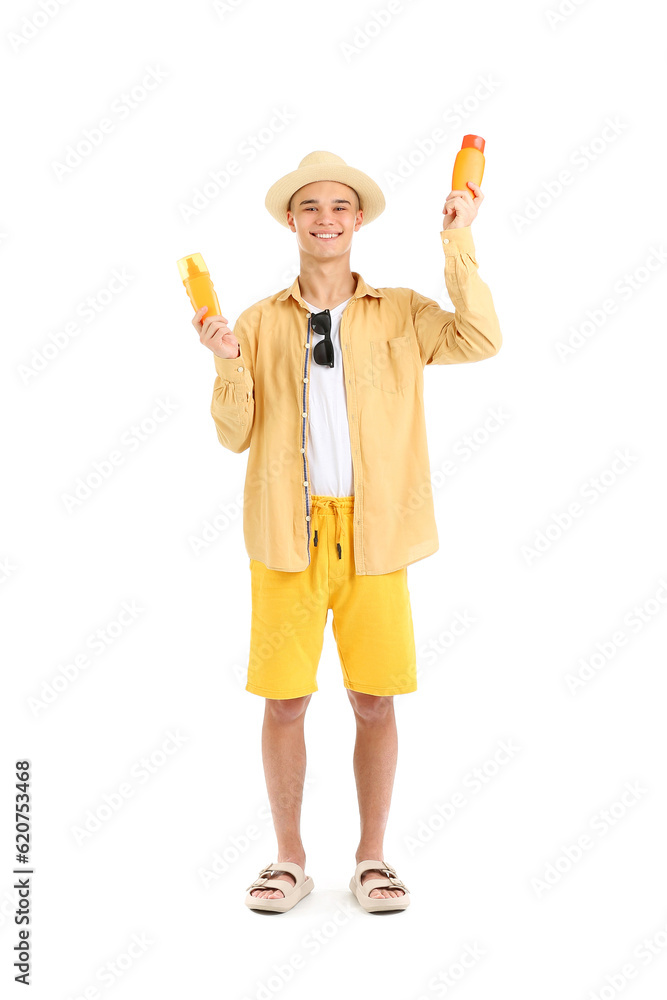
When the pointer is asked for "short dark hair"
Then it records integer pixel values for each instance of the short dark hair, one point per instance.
(289, 207)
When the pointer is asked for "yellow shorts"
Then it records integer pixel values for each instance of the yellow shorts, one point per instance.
(372, 617)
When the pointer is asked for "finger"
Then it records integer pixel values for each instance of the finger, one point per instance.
(221, 334)
(200, 312)
(461, 200)
(211, 333)
(459, 196)
(215, 323)
(456, 198)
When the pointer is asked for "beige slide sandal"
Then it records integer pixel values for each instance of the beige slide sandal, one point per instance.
(391, 881)
(292, 893)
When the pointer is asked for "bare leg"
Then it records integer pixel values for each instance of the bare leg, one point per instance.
(284, 758)
(375, 754)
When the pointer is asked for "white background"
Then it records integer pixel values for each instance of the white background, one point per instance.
(374, 95)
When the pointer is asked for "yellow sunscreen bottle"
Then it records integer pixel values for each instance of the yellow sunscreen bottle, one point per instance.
(469, 164)
(198, 284)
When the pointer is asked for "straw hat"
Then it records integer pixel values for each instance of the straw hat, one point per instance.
(323, 166)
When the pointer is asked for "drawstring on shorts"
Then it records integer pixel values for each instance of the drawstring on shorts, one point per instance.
(338, 505)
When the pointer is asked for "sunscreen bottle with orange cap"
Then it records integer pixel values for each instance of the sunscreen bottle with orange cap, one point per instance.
(198, 284)
(469, 164)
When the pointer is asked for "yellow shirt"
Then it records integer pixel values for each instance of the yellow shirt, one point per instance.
(387, 336)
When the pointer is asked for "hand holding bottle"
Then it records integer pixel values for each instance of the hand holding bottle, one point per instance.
(209, 324)
(460, 211)
(215, 334)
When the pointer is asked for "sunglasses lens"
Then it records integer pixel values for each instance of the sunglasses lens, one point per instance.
(323, 353)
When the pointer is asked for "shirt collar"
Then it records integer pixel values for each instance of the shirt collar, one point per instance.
(362, 289)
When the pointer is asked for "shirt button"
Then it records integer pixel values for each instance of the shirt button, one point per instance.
(304, 414)
(305, 380)
(305, 483)
(307, 517)
(445, 241)
(302, 450)
(239, 369)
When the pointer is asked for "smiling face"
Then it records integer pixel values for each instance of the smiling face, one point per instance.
(324, 215)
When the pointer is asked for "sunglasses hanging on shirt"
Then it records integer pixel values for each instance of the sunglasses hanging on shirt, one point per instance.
(323, 352)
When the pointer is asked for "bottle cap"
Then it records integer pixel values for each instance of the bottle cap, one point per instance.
(475, 141)
(191, 266)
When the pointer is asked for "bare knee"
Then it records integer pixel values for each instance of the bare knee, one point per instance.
(370, 707)
(286, 709)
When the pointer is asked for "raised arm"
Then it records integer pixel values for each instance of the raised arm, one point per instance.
(472, 331)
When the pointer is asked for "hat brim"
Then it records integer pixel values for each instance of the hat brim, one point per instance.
(371, 198)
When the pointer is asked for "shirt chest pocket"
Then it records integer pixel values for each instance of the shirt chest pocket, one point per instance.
(391, 364)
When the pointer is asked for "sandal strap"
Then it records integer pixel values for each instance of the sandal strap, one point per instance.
(274, 883)
(383, 883)
(390, 881)
(374, 863)
(395, 880)
(264, 879)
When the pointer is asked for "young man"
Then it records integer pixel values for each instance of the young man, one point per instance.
(323, 382)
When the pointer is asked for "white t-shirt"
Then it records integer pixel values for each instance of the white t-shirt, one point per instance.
(329, 452)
